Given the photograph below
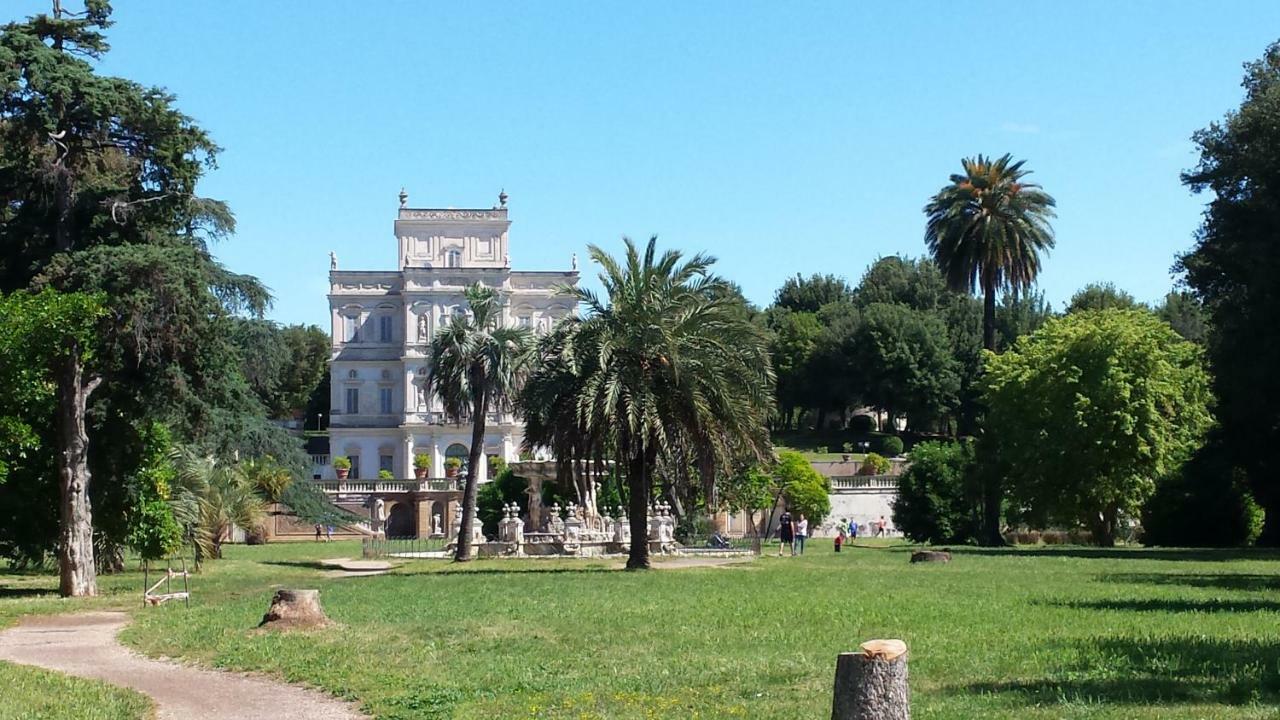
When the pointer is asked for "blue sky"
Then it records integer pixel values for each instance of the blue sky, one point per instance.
(782, 138)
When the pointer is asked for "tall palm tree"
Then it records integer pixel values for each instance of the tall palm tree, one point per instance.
(987, 229)
(477, 363)
(667, 360)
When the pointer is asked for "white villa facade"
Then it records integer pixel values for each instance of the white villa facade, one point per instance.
(381, 415)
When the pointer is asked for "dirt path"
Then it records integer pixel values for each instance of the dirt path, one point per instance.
(85, 644)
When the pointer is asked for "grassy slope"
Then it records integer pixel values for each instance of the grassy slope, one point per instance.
(1061, 633)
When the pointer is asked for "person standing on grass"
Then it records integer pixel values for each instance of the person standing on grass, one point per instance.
(839, 537)
(317, 532)
(802, 532)
(328, 533)
(853, 529)
(786, 534)
(880, 527)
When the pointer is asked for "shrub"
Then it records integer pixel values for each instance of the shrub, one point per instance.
(505, 488)
(891, 445)
(1206, 504)
(875, 464)
(862, 424)
(938, 500)
(422, 461)
(385, 475)
(342, 462)
(452, 463)
(821, 449)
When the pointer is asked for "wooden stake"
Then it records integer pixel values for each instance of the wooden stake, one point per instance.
(872, 684)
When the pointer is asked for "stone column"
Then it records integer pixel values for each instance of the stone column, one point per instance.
(407, 470)
(423, 513)
(437, 458)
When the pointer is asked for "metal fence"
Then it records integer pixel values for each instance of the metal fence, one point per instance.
(378, 547)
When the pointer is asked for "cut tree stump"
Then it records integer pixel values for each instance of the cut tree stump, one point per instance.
(872, 684)
(295, 608)
(942, 556)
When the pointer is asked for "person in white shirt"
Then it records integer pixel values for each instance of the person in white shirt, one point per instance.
(802, 532)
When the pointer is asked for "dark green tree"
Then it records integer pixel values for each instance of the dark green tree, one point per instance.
(1185, 313)
(903, 359)
(938, 499)
(809, 294)
(1102, 296)
(1233, 268)
(284, 364)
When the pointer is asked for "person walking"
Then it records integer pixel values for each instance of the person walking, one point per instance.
(853, 529)
(880, 527)
(328, 533)
(802, 532)
(317, 532)
(786, 534)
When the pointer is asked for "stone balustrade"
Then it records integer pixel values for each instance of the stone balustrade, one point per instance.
(386, 486)
(865, 483)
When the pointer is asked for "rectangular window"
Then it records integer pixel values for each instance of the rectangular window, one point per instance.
(355, 467)
(384, 400)
(353, 401)
(384, 462)
(384, 329)
(351, 328)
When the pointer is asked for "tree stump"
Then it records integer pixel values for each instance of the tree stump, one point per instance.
(942, 556)
(872, 684)
(295, 608)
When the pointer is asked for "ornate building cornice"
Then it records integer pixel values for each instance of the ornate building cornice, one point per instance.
(495, 214)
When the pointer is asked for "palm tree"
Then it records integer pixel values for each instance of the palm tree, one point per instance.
(667, 361)
(209, 499)
(477, 363)
(988, 229)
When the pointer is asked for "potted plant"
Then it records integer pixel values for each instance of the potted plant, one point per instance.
(451, 466)
(421, 465)
(385, 475)
(342, 466)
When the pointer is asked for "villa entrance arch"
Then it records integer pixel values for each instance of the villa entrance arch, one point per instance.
(401, 521)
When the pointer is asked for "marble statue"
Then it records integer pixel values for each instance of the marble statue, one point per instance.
(333, 260)
(436, 528)
(574, 261)
(422, 326)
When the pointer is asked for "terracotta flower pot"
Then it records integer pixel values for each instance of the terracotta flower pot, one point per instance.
(420, 473)
(342, 473)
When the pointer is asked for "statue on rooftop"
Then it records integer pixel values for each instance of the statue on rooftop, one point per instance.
(333, 260)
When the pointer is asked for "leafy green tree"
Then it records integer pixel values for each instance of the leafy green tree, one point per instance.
(903, 359)
(897, 280)
(795, 338)
(1185, 313)
(153, 532)
(1102, 296)
(1233, 268)
(988, 229)
(667, 361)
(1091, 410)
(806, 490)
(752, 490)
(802, 294)
(282, 364)
(46, 343)
(477, 364)
(938, 500)
(99, 195)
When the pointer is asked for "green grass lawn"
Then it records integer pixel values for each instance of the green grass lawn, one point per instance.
(1049, 633)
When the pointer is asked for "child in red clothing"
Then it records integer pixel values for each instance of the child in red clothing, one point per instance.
(839, 539)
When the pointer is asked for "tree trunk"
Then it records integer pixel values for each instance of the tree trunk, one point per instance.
(640, 489)
(872, 684)
(462, 553)
(76, 572)
(989, 318)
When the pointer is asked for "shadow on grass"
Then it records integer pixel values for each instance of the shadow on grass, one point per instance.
(1223, 581)
(465, 570)
(1133, 553)
(12, 592)
(1161, 671)
(1204, 606)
